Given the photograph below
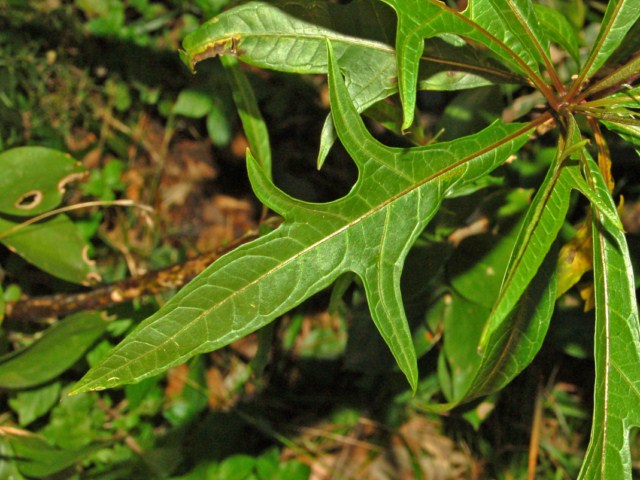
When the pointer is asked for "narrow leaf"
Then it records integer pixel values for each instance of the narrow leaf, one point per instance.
(630, 133)
(62, 345)
(627, 71)
(617, 348)
(620, 16)
(419, 19)
(559, 30)
(252, 122)
(512, 337)
(368, 232)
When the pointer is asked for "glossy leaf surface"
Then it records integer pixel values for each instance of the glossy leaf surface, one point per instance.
(289, 36)
(501, 31)
(368, 232)
(617, 348)
(619, 18)
(512, 335)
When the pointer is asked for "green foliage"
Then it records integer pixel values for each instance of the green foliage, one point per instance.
(370, 231)
(34, 182)
(440, 242)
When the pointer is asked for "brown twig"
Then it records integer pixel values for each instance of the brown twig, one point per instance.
(536, 428)
(41, 309)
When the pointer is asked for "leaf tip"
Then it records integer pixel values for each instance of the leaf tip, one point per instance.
(89, 384)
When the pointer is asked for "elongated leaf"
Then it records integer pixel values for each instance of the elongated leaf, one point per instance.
(617, 348)
(540, 228)
(419, 19)
(511, 340)
(627, 97)
(59, 348)
(33, 179)
(252, 122)
(515, 23)
(368, 232)
(37, 459)
(53, 245)
(445, 65)
(619, 18)
(512, 336)
(290, 35)
(627, 71)
(559, 30)
(631, 133)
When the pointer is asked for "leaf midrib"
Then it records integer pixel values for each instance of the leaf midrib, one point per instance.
(202, 47)
(332, 235)
(603, 257)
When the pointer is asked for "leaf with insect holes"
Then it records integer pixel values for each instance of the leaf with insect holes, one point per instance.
(33, 179)
(368, 232)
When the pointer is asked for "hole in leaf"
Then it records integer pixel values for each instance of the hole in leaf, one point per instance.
(29, 200)
(62, 184)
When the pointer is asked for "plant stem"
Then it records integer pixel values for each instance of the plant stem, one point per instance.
(41, 309)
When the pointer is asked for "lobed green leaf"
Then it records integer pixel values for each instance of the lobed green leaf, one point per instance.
(492, 25)
(252, 122)
(368, 232)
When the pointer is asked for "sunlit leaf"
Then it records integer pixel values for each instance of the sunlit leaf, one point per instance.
(617, 348)
(619, 18)
(499, 29)
(368, 232)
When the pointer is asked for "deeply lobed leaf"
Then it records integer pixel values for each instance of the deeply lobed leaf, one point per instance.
(368, 232)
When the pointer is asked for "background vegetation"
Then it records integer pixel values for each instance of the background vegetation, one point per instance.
(102, 80)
